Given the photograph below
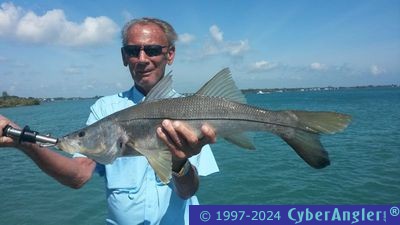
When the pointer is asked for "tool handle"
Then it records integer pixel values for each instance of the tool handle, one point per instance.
(11, 132)
(27, 135)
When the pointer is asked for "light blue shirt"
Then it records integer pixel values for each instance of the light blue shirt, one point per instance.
(134, 193)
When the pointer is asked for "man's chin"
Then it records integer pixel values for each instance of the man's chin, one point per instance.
(145, 84)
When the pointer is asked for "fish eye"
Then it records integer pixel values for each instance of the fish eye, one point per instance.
(81, 134)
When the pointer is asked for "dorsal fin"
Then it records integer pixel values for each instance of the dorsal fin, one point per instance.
(163, 89)
(222, 85)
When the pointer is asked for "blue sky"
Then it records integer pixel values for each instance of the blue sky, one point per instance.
(69, 48)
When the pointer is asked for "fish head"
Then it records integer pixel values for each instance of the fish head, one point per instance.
(100, 141)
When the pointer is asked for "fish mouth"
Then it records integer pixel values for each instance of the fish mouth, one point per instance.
(66, 145)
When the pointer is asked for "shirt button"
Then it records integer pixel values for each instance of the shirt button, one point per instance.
(131, 196)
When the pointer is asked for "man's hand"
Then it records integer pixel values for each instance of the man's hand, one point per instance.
(6, 141)
(182, 140)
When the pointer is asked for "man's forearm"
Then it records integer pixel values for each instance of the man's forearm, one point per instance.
(73, 172)
(187, 184)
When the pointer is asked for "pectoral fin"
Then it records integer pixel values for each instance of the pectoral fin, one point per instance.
(160, 161)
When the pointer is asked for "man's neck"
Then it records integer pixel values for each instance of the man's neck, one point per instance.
(141, 90)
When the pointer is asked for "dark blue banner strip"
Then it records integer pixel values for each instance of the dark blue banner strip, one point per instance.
(293, 214)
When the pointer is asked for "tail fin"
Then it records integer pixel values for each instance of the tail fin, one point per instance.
(305, 137)
(309, 148)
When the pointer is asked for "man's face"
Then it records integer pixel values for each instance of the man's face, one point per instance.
(147, 70)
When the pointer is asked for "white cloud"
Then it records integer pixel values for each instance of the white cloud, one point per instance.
(318, 66)
(9, 15)
(262, 65)
(91, 31)
(376, 70)
(186, 38)
(53, 27)
(216, 33)
(237, 48)
(37, 29)
(218, 45)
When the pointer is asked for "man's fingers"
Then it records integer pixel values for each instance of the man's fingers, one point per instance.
(5, 141)
(169, 127)
(209, 134)
(169, 143)
(186, 133)
(183, 140)
(3, 123)
(164, 137)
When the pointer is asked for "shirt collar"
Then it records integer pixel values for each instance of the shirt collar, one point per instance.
(133, 94)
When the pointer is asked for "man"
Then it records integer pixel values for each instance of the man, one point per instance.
(134, 193)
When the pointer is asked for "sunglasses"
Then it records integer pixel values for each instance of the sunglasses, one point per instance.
(150, 50)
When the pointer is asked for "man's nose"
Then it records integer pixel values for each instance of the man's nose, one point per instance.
(142, 56)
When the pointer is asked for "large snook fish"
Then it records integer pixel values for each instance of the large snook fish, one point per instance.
(219, 103)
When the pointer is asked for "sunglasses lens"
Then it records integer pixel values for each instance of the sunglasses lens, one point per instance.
(153, 50)
(150, 50)
(132, 50)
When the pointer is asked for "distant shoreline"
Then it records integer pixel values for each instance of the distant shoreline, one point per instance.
(66, 99)
(14, 101)
(329, 88)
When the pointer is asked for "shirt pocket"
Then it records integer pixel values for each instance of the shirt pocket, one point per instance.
(126, 173)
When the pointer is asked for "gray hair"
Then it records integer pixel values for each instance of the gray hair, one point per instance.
(165, 26)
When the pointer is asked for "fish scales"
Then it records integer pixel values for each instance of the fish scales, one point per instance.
(226, 117)
(198, 108)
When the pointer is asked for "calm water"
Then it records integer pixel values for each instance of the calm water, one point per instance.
(365, 162)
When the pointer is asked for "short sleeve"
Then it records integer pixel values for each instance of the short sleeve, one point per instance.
(95, 112)
(205, 162)
(91, 119)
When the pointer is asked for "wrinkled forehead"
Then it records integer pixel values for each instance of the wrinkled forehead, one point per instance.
(149, 33)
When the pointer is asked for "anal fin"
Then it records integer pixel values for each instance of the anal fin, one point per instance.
(241, 140)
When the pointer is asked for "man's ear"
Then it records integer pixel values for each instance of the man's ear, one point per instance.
(124, 60)
(171, 55)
